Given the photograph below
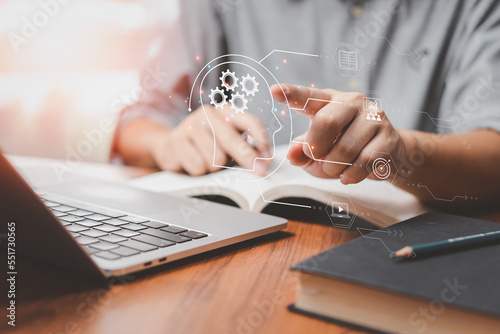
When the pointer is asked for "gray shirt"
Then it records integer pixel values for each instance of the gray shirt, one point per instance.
(431, 64)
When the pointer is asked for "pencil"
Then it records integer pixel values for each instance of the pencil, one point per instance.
(446, 245)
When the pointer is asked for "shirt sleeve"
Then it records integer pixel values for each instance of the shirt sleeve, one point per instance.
(471, 96)
(195, 38)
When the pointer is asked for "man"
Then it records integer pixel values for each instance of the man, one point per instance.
(429, 70)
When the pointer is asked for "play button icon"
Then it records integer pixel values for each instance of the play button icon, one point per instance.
(340, 210)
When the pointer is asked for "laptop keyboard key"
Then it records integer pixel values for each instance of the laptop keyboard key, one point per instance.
(126, 233)
(63, 208)
(134, 227)
(97, 217)
(75, 235)
(140, 246)
(50, 204)
(59, 214)
(166, 235)
(107, 255)
(173, 229)
(103, 245)
(109, 213)
(133, 219)
(83, 240)
(124, 251)
(93, 233)
(153, 241)
(81, 213)
(90, 250)
(113, 238)
(107, 228)
(76, 228)
(194, 234)
(116, 222)
(71, 219)
(89, 223)
(154, 224)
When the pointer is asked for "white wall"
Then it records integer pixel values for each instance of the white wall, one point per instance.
(68, 74)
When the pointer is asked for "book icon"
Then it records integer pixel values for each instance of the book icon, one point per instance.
(348, 60)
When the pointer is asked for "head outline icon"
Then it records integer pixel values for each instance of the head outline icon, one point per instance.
(235, 59)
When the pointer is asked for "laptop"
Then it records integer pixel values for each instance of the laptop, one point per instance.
(102, 229)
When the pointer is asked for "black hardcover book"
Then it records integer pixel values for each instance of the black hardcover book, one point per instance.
(359, 283)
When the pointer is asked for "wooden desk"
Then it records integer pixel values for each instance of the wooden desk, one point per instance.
(243, 288)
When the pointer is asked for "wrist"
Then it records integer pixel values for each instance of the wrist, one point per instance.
(158, 144)
(406, 158)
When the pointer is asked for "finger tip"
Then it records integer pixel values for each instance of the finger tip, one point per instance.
(344, 180)
(260, 170)
(279, 89)
(275, 89)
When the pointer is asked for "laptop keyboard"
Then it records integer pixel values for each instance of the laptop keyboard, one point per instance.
(113, 235)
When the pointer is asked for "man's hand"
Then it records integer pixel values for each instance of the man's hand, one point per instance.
(190, 146)
(338, 132)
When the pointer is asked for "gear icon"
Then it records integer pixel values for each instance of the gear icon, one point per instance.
(229, 85)
(214, 93)
(247, 81)
(239, 103)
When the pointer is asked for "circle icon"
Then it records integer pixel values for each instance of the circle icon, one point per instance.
(381, 168)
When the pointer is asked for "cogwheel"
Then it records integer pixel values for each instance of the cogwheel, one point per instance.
(249, 81)
(231, 75)
(223, 98)
(239, 103)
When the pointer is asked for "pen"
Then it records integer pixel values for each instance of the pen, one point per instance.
(444, 245)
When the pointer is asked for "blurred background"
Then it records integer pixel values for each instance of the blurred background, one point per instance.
(67, 67)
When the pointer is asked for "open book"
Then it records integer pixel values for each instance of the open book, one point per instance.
(378, 202)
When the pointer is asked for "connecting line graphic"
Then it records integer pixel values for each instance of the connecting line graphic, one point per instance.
(290, 52)
(415, 56)
(315, 159)
(312, 99)
(282, 203)
(393, 233)
(435, 120)
(441, 199)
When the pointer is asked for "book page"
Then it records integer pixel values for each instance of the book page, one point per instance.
(384, 203)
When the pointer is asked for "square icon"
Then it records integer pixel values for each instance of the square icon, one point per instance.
(348, 60)
(340, 210)
(371, 108)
